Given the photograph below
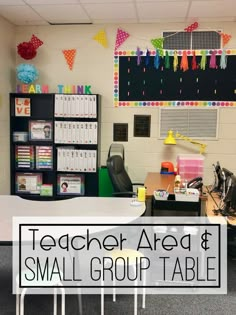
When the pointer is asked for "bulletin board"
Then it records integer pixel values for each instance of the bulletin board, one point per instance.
(144, 85)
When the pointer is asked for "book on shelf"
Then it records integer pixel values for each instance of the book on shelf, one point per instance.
(74, 160)
(40, 130)
(70, 184)
(28, 183)
(76, 132)
(24, 156)
(77, 105)
(22, 107)
(43, 157)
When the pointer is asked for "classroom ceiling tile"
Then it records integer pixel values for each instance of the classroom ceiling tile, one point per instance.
(163, 20)
(62, 13)
(12, 2)
(105, 1)
(110, 10)
(212, 9)
(20, 15)
(155, 1)
(56, 2)
(115, 21)
(116, 11)
(162, 9)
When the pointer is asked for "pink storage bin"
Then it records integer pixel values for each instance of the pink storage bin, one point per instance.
(190, 166)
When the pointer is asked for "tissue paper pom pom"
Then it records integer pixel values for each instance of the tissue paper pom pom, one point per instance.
(27, 73)
(26, 50)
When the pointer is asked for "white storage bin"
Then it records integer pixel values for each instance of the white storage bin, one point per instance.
(191, 195)
(160, 194)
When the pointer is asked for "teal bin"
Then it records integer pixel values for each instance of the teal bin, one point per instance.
(105, 185)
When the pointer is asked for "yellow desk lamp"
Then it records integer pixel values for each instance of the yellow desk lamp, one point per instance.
(170, 139)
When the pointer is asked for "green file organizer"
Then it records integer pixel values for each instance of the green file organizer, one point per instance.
(105, 185)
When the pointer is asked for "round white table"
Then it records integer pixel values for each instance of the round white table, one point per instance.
(119, 210)
(124, 210)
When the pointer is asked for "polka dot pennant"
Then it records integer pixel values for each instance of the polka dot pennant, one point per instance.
(121, 36)
(36, 41)
(158, 42)
(191, 27)
(70, 57)
(101, 38)
(225, 38)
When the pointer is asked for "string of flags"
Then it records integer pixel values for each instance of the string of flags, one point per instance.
(122, 36)
(28, 50)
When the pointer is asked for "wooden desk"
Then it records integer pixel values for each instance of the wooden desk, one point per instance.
(155, 181)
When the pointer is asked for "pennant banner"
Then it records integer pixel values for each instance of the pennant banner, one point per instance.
(70, 57)
(36, 42)
(121, 37)
(226, 38)
(191, 27)
(158, 42)
(101, 38)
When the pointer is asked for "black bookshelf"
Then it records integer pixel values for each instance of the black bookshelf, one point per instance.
(42, 111)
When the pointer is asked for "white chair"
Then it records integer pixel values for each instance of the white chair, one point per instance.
(132, 255)
(20, 295)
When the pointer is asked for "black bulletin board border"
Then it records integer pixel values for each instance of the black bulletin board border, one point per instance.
(143, 85)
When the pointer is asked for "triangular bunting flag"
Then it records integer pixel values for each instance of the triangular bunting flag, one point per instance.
(70, 57)
(226, 38)
(158, 42)
(36, 41)
(121, 36)
(101, 38)
(191, 27)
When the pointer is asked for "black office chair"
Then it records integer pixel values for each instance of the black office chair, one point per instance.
(121, 182)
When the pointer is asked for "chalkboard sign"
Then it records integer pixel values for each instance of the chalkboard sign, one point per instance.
(145, 85)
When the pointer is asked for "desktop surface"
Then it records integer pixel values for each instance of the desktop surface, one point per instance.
(156, 180)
